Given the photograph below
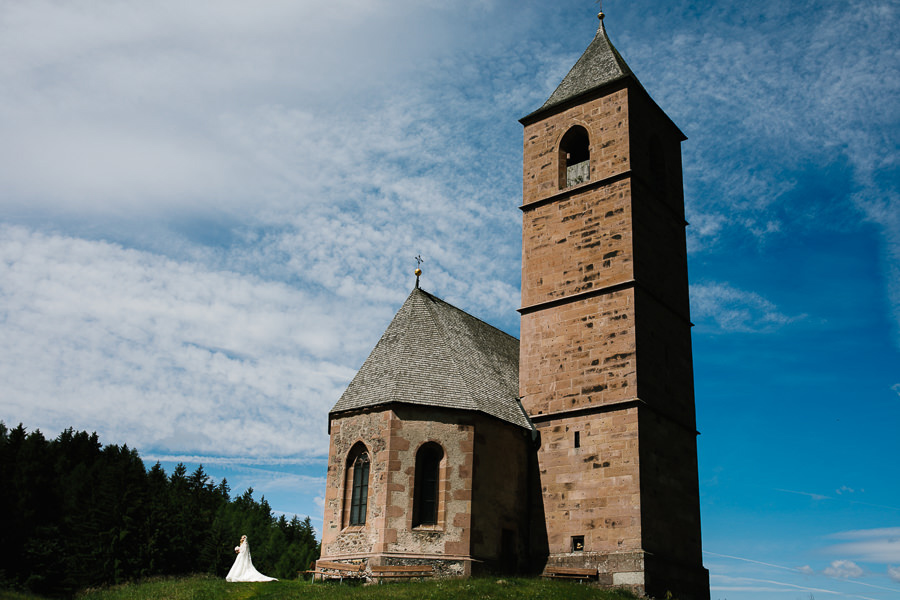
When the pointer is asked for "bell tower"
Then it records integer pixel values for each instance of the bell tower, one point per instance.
(606, 373)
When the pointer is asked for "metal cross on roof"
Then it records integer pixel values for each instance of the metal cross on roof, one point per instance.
(419, 261)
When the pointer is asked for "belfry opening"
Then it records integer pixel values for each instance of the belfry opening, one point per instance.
(574, 157)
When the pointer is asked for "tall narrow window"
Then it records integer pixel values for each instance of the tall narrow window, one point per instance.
(360, 490)
(356, 486)
(427, 485)
(574, 157)
(578, 439)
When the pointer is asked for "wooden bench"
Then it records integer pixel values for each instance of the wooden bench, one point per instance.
(569, 573)
(324, 569)
(401, 572)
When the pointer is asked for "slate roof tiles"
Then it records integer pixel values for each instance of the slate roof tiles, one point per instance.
(601, 64)
(434, 354)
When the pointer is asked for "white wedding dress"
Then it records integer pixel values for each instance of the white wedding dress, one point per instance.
(243, 569)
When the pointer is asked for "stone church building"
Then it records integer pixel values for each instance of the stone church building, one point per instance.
(458, 446)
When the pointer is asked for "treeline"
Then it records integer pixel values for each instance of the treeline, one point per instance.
(75, 514)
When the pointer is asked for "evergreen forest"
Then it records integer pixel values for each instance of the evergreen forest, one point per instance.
(76, 515)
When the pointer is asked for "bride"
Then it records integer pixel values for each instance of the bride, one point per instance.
(242, 569)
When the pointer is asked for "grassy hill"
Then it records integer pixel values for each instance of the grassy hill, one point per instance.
(202, 587)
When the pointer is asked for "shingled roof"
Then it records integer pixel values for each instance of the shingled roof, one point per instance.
(600, 65)
(434, 354)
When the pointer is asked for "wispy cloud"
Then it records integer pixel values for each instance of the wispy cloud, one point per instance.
(889, 532)
(760, 585)
(99, 328)
(812, 495)
(750, 560)
(869, 545)
(839, 570)
(843, 569)
(788, 152)
(894, 573)
(231, 461)
(735, 310)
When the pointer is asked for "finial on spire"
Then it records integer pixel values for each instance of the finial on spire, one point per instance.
(600, 14)
(418, 271)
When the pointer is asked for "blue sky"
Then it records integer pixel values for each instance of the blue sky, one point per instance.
(209, 214)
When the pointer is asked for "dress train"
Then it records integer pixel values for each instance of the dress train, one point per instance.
(243, 569)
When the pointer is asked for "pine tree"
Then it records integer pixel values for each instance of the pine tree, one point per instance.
(74, 514)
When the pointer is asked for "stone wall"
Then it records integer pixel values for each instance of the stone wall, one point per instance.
(411, 427)
(578, 243)
(592, 490)
(606, 120)
(671, 506)
(478, 498)
(500, 507)
(577, 330)
(372, 429)
(605, 349)
(578, 354)
(665, 375)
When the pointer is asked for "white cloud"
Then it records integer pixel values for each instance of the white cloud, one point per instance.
(812, 495)
(894, 573)
(725, 583)
(732, 309)
(804, 122)
(810, 117)
(869, 545)
(230, 461)
(148, 108)
(806, 570)
(278, 167)
(843, 569)
(167, 355)
(867, 533)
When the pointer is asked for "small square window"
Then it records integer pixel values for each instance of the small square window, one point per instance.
(577, 543)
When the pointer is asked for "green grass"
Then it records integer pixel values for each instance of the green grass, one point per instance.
(203, 587)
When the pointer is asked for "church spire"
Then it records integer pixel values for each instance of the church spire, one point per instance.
(600, 64)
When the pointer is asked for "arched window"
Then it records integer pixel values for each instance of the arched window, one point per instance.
(427, 485)
(574, 157)
(356, 485)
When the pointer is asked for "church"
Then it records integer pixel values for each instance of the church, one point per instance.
(459, 447)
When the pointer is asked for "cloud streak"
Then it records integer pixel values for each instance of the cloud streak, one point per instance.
(735, 310)
(206, 361)
(869, 545)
